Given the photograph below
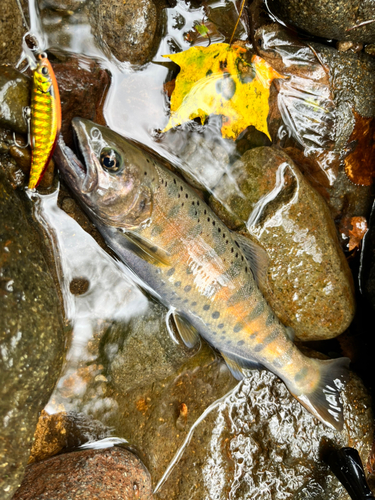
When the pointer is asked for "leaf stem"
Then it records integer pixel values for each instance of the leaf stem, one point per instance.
(238, 20)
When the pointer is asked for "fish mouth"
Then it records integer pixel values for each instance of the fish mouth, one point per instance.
(78, 167)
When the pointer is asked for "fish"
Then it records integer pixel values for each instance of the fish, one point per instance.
(45, 118)
(208, 277)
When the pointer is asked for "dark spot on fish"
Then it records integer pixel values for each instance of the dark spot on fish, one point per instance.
(145, 173)
(232, 250)
(242, 258)
(224, 235)
(206, 307)
(284, 358)
(237, 328)
(171, 271)
(192, 203)
(213, 333)
(213, 222)
(193, 304)
(154, 249)
(148, 161)
(173, 212)
(257, 311)
(205, 212)
(245, 269)
(216, 315)
(208, 219)
(301, 374)
(221, 325)
(226, 241)
(178, 298)
(182, 204)
(209, 73)
(198, 203)
(187, 288)
(229, 341)
(241, 342)
(270, 338)
(222, 337)
(178, 283)
(156, 230)
(254, 335)
(189, 271)
(198, 220)
(269, 319)
(186, 300)
(186, 195)
(235, 242)
(236, 255)
(178, 196)
(174, 180)
(219, 230)
(166, 184)
(181, 188)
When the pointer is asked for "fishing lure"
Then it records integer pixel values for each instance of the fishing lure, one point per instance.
(45, 118)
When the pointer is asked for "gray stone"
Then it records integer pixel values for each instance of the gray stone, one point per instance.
(31, 336)
(309, 282)
(331, 19)
(124, 29)
(15, 96)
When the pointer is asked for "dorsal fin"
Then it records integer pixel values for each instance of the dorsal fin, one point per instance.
(148, 251)
(257, 258)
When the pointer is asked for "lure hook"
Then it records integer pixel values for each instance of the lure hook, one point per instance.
(27, 118)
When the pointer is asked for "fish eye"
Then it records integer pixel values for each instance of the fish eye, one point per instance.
(110, 160)
(45, 70)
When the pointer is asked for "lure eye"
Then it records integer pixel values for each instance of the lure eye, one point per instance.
(110, 160)
(45, 70)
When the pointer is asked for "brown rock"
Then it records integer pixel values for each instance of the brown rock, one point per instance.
(125, 29)
(109, 474)
(310, 284)
(83, 86)
(12, 29)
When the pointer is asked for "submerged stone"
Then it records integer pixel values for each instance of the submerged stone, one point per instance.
(331, 19)
(125, 29)
(109, 474)
(309, 282)
(31, 336)
(12, 29)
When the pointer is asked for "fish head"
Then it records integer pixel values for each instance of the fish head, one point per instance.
(114, 179)
(43, 74)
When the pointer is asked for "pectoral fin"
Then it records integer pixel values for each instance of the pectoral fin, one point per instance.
(257, 258)
(187, 332)
(236, 365)
(148, 251)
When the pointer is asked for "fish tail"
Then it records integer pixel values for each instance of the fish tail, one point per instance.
(324, 402)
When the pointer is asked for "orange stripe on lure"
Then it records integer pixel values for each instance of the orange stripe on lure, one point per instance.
(45, 118)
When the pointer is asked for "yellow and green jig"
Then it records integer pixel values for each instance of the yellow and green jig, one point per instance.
(45, 118)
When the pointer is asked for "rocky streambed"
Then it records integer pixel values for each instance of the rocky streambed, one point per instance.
(98, 398)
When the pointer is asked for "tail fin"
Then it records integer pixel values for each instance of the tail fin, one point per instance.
(324, 403)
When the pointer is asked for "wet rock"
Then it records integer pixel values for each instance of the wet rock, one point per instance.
(108, 474)
(367, 277)
(143, 352)
(61, 5)
(64, 431)
(309, 281)
(83, 86)
(12, 29)
(32, 339)
(260, 443)
(340, 20)
(126, 30)
(15, 96)
(323, 115)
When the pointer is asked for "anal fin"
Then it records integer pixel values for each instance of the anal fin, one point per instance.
(236, 364)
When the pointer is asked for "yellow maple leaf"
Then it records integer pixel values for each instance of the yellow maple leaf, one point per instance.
(217, 80)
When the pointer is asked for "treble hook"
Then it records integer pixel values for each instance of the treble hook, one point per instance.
(27, 117)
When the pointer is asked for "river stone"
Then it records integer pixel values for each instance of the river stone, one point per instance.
(12, 29)
(309, 282)
(15, 96)
(329, 18)
(109, 474)
(32, 339)
(323, 115)
(259, 442)
(125, 29)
